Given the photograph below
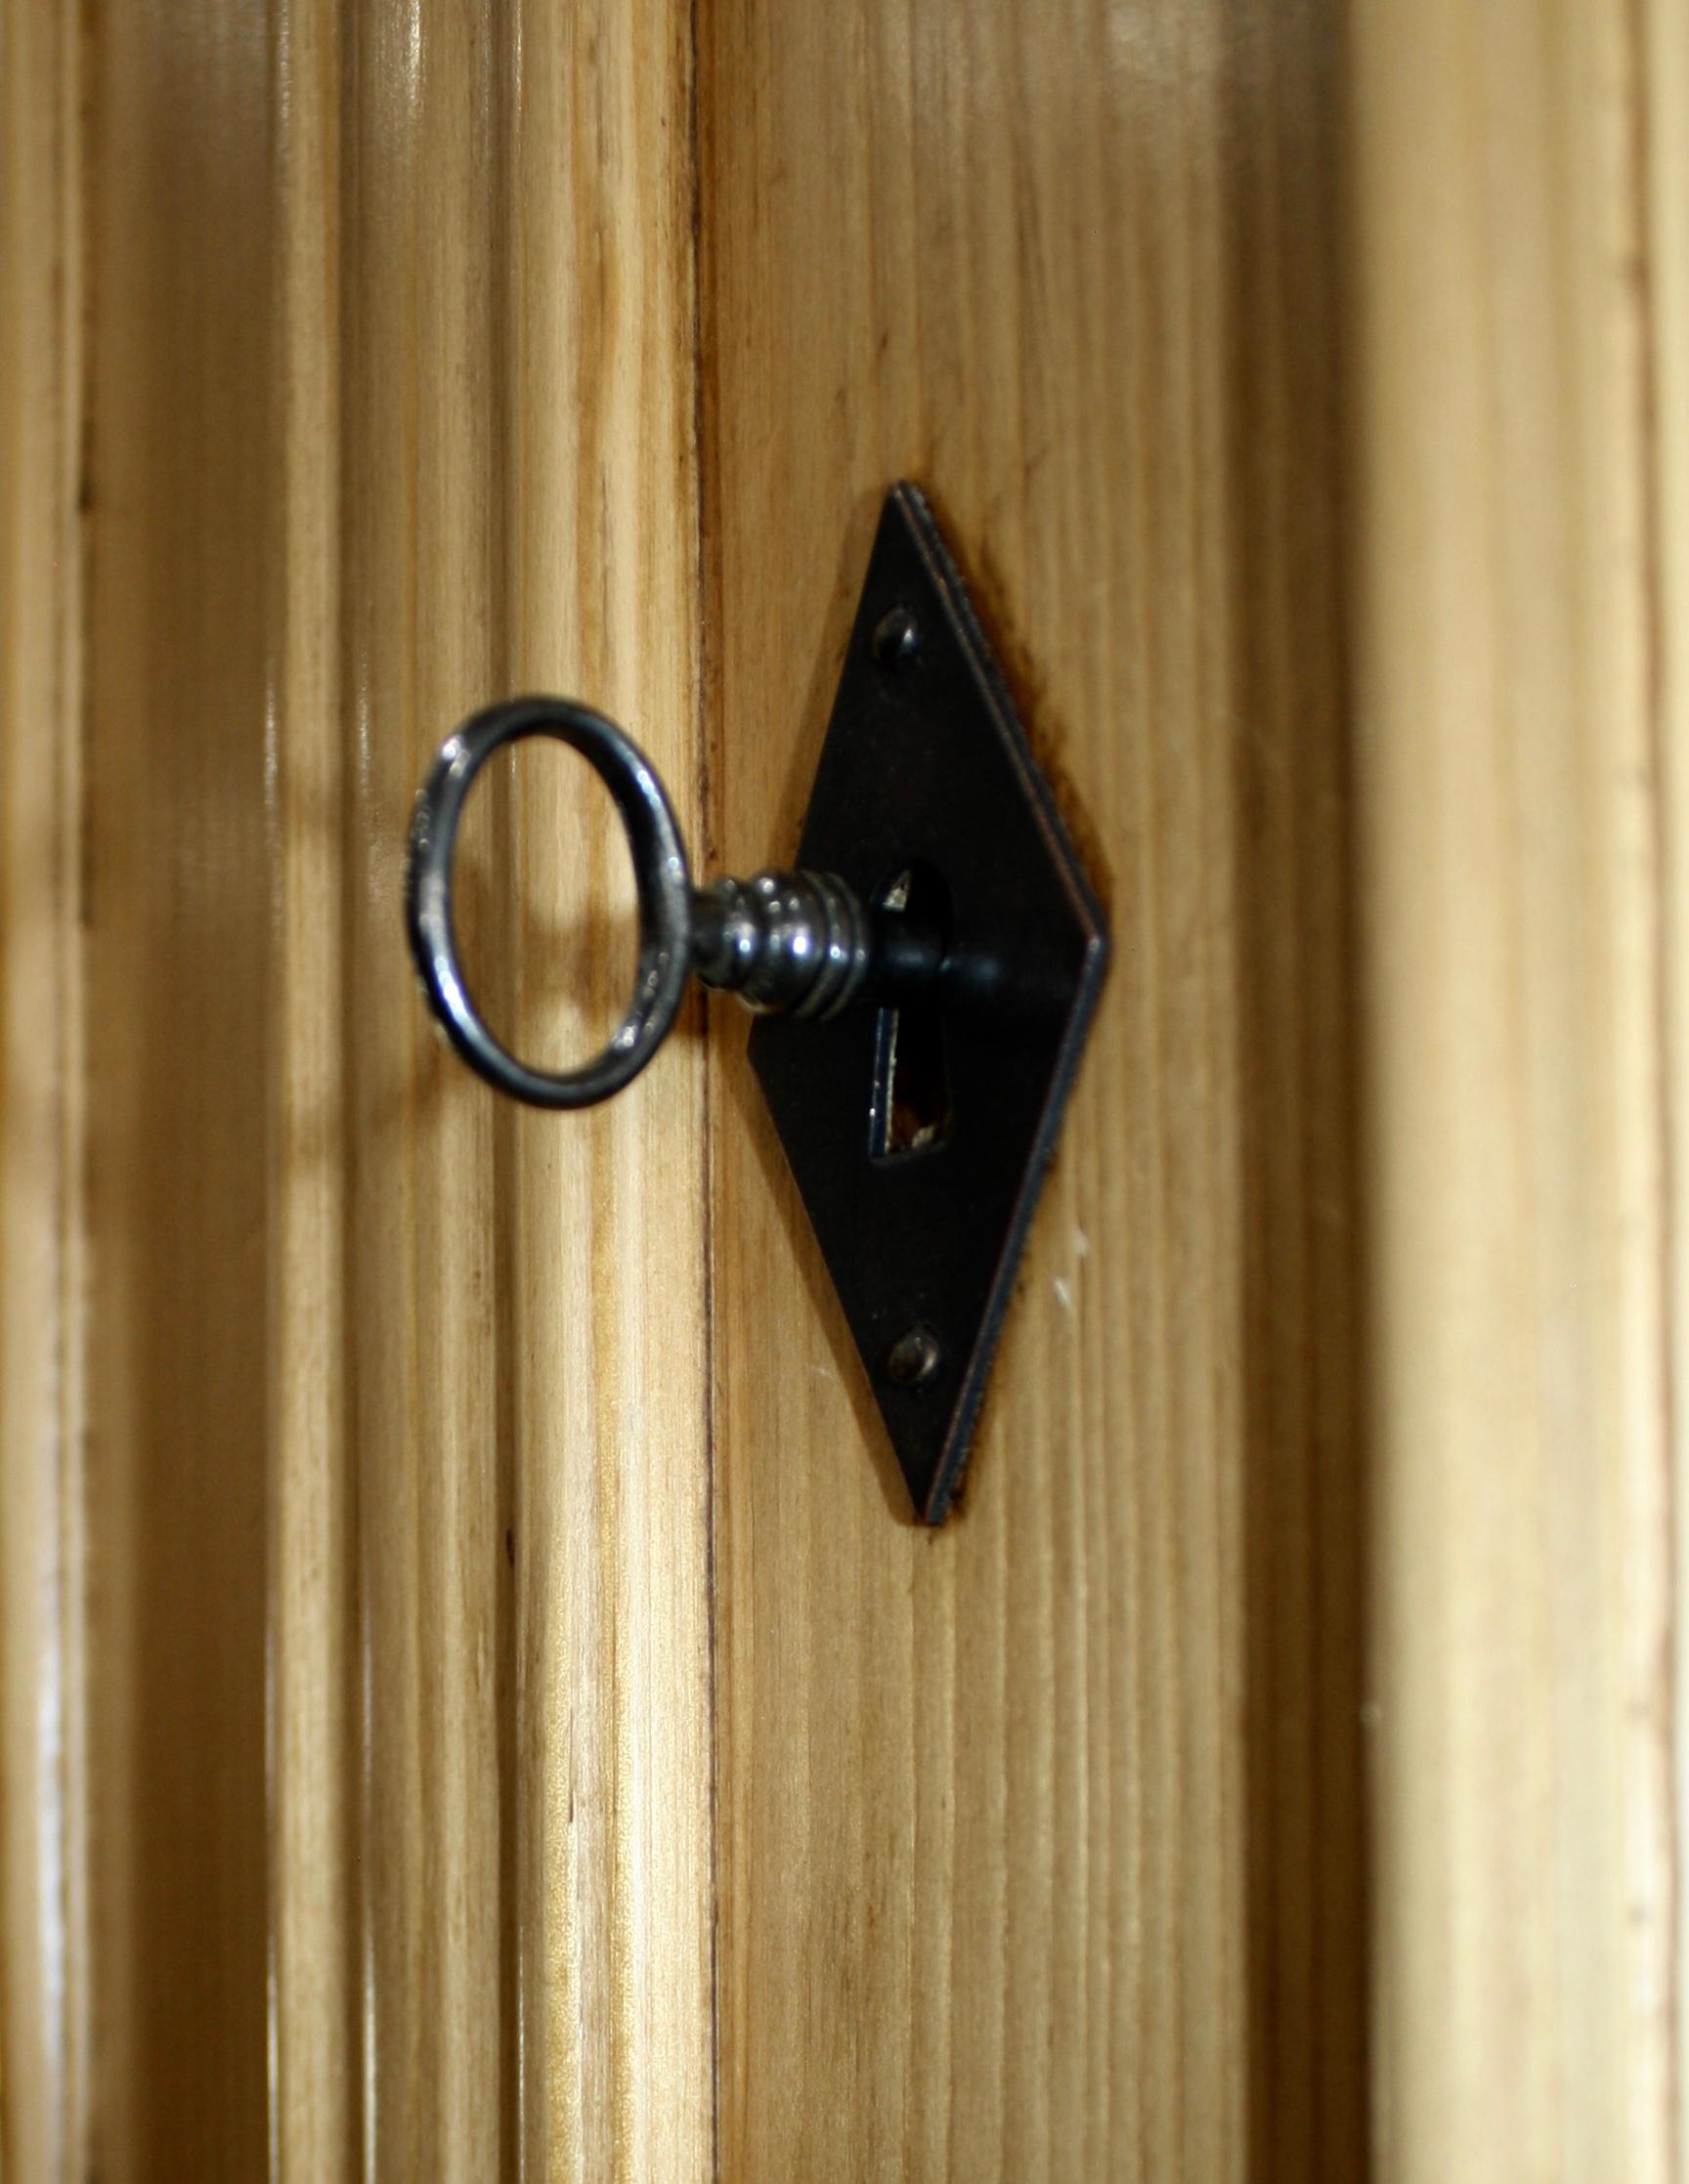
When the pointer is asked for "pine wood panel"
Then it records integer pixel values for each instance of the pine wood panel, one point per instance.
(609, 1212)
(315, 1842)
(398, 1415)
(43, 1966)
(1040, 1839)
(1518, 343)
(1664, 88)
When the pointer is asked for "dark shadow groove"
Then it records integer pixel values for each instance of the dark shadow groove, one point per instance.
(182, 247)
(1298, 1019)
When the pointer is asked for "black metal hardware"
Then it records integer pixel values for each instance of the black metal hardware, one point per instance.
(926, 979)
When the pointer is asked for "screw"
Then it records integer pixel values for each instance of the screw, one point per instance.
(898, 640)
(915, 1357)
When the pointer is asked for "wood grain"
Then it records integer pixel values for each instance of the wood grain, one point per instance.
(1276, 1768)
(313, 1752)
(1663, 88)
(180, 698)
(398, 1471)
(44, 1989)
(608, 1213)
(1040, 1839)
(423, 635)
(1518, 336)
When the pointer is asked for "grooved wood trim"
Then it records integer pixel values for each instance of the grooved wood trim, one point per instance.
(609, 1212)
(399, 1410)
(44, 2060)
(315, 1842)
(1664, 83)
(1664, 86)
(1517, 563)
(1039, 1839)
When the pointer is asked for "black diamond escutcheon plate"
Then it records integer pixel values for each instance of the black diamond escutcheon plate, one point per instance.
(926, 771)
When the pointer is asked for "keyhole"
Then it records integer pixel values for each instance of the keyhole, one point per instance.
(911, 1109)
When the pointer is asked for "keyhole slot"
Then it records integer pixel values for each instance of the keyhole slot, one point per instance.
(911, 1109)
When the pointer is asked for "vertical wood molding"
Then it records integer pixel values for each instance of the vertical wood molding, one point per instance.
(399, 1473)
(523, 1324)
(316, 1960)
(607, 1210)
(1666, 81)
(1664, 171)
(427, 1329)
(43, 1967)
(1516, 552)
(185, 676)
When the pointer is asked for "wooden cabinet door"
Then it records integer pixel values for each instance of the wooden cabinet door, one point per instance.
(473, 1699)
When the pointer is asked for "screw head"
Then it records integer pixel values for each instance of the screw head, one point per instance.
(915, 1357)
(898, 640)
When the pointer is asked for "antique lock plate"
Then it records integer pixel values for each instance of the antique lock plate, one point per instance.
(920, 1134)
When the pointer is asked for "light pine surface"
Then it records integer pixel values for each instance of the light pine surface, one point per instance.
(472, 1701)
(1517, 377)
(1663, 87)
(1039, 1839)
(394, 1627)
